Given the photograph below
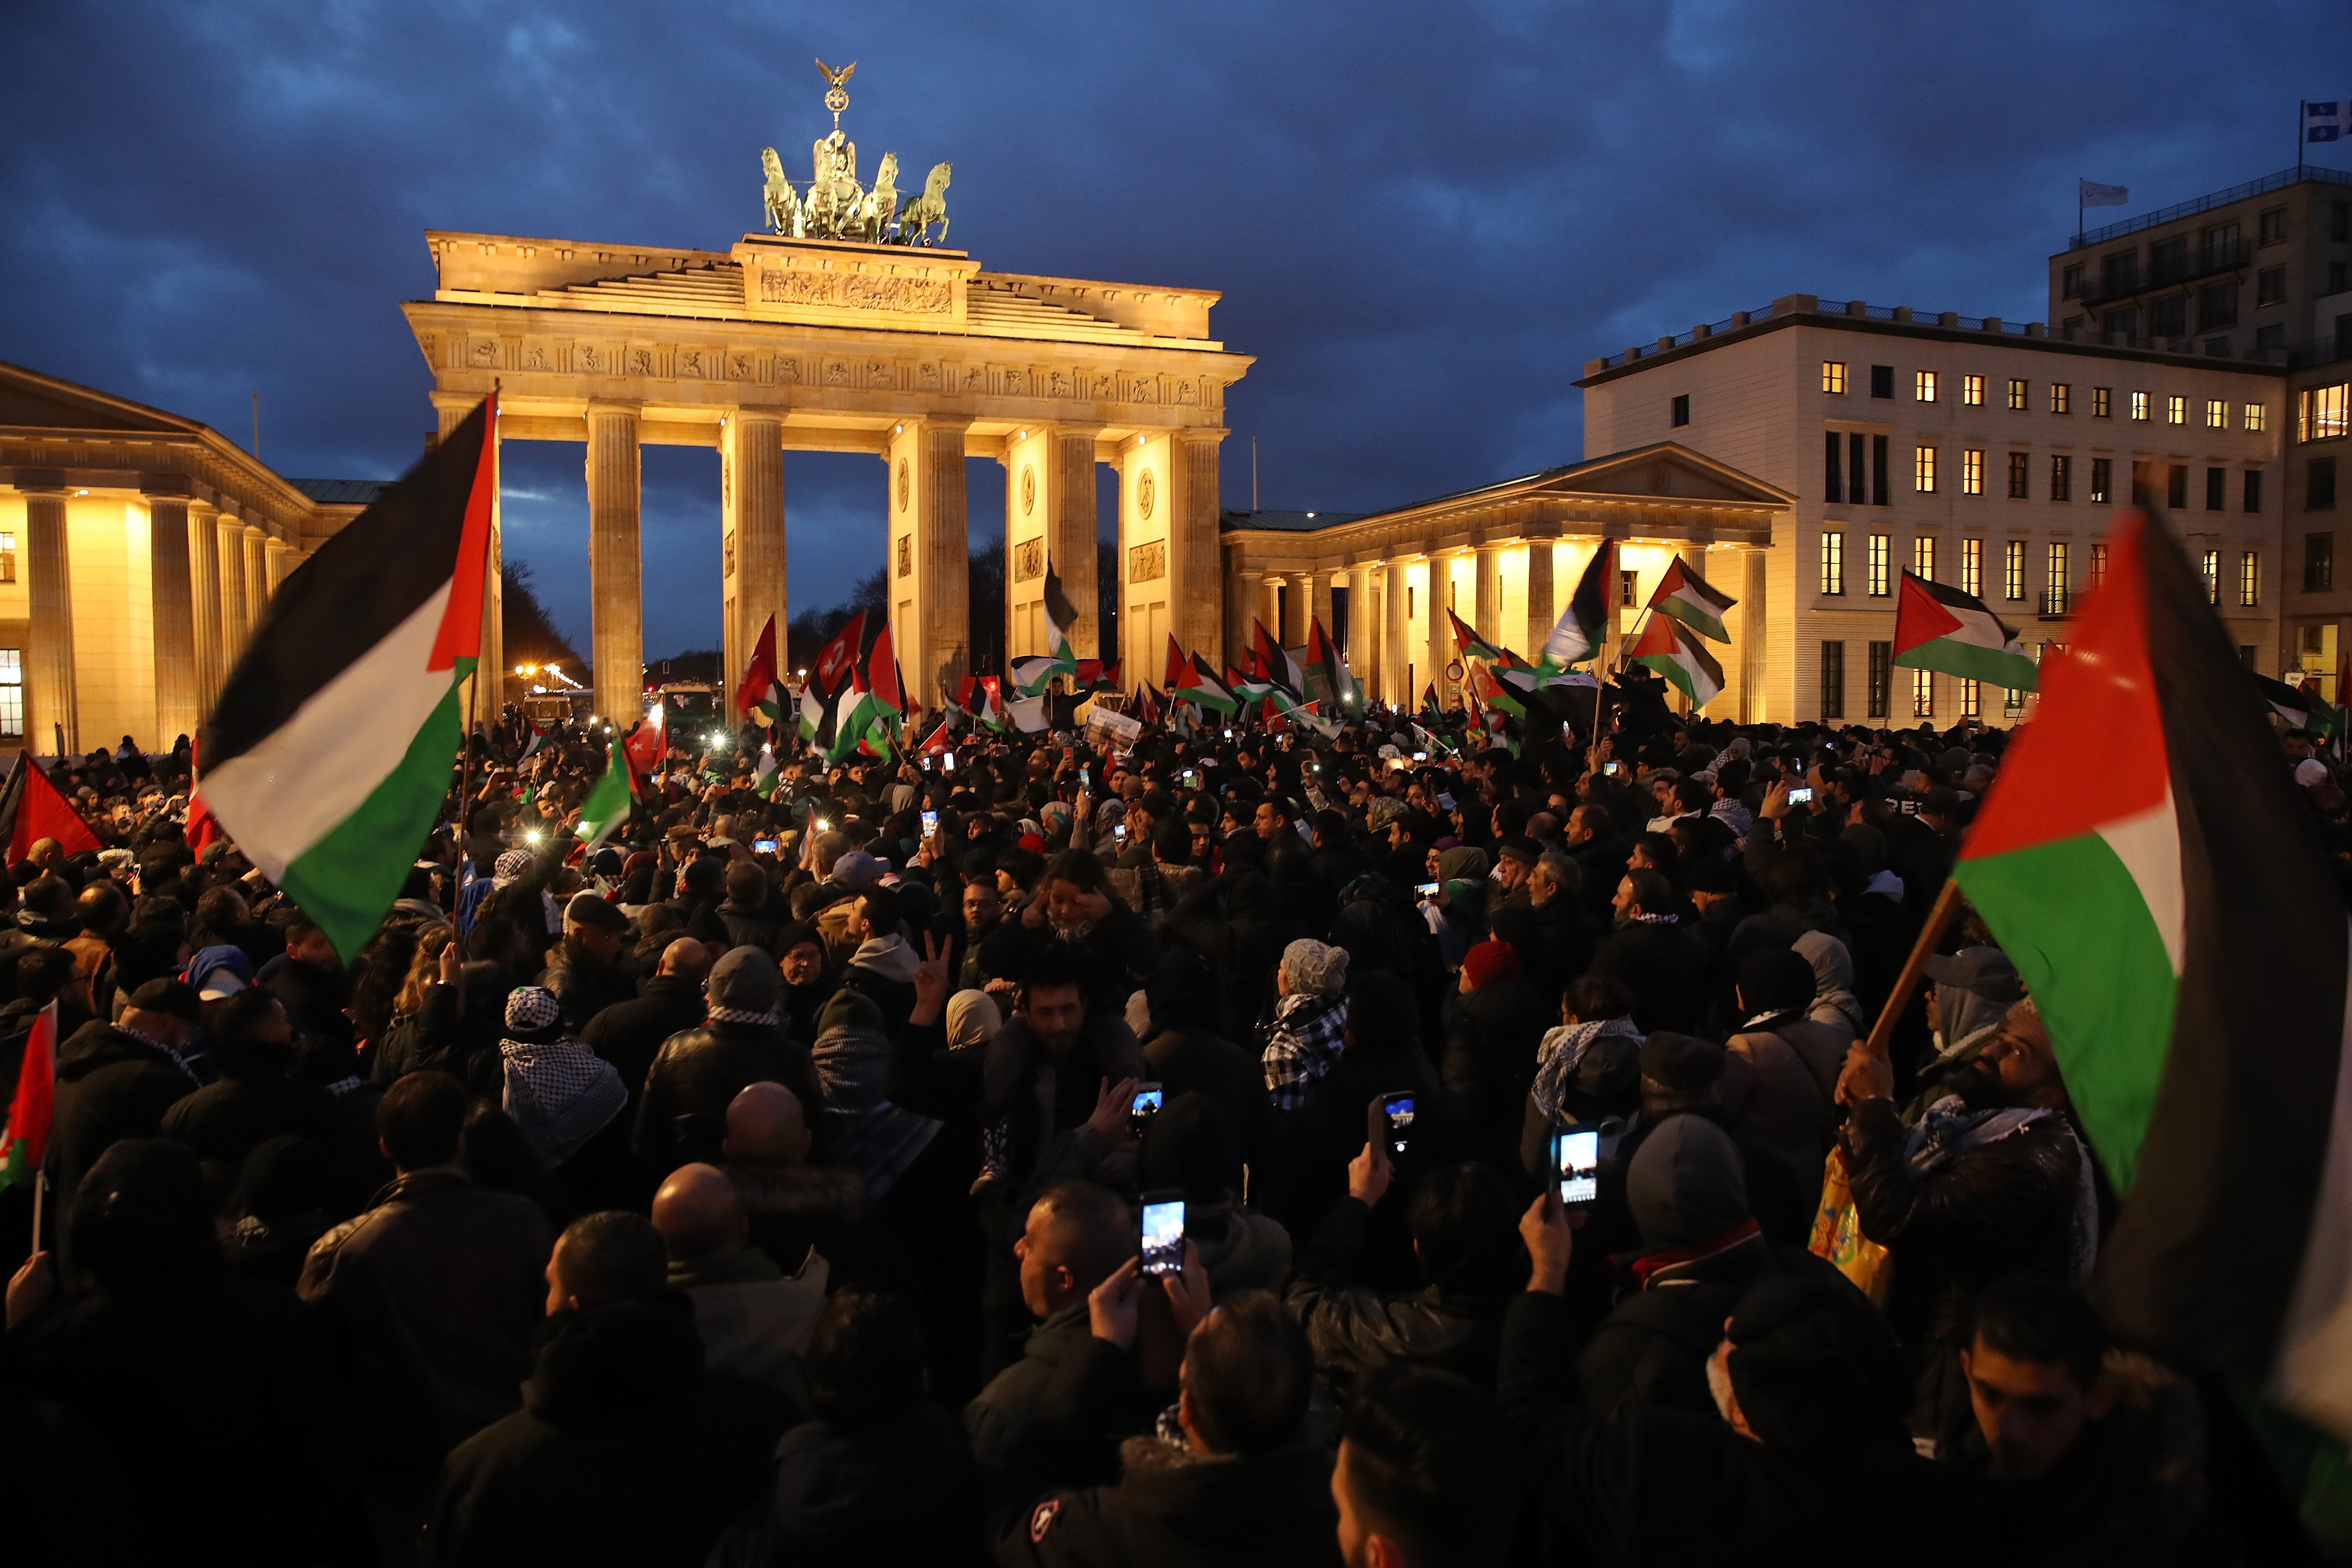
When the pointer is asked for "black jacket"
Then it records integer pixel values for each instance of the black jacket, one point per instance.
(1169, 1507)
(1667, 969)
(1356, 1331)
(1658, 1486)
(584, 985)
(1568, 935)
(1117, 956)
(682, 1116)
(223, 1121)
(902, 1492)
(629, 1035)
(751, 928)
(110, 1086)
(1491, 1035)
(626, 1451)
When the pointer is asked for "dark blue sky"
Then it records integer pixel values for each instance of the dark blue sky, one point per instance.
(1424, 217)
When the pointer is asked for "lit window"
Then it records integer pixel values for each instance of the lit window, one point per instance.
(2016, 396)
(2061, 397)
(2249, 580)
(1881, 567)
(2103, 478)
(2320, 412)
(2054, 600)
(7, 558)
(2098, 566)
(1924, 386)
(2012, 703)
(2212, 568)
(1629, 588)
(1832, 562)
(12, 691)
(2175, 410)
(1923, 556)
(1972, 471)
(2102, 402)
(1971, 700)
(1972, 568)
(2019, 476)
(2217, 414)
(1923, 470)
(1833, 376)
(2140, 406)
(2013, 570)
(1923, 694)
(2251, 417)
(1972, 391)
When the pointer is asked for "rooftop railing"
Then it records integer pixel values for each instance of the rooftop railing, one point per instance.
(2268, 183)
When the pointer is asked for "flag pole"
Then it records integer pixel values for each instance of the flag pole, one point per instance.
(1939, 918)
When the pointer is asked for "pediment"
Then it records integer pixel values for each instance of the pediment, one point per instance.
(30, 400)
(1668, 471)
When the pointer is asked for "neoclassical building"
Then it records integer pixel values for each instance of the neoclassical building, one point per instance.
(137, 550)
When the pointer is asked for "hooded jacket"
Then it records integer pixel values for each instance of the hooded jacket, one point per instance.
(626, 1452)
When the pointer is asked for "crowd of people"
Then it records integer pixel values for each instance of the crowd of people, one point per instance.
(774, 1182)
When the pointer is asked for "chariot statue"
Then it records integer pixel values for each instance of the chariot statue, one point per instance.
(834, 205)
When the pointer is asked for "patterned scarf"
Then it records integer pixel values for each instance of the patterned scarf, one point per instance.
(1562, 1051)
(742, 1015)
(560, 1093)
(1950, 1129)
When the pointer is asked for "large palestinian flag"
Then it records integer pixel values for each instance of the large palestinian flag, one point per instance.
(761, 695)
(331, 747)
(32, 810)
(1327, 677)
(1033, 674)
(1686, 595)
(1189, 681)
(1584, 623)
(2144, 859)
(1669, 647)
(1939, 628)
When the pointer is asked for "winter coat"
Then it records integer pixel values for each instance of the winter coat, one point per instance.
(110, 1086)
(901, 1493)
(754, 1318)
(1185, 1060)
(1356, 1331)
(1667, 969)
(1116, 955)
(585, 984)
(757, 927)
(682, 1115)
(626, 1452)
(629, 1035)
(432, 1295)
(1568, 935)
(223, 1121)
(1663, 1487)
(1491, 1035)
(1001, 1414)
(1772, 1099)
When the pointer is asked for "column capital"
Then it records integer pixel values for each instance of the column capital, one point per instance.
(41, 481)
(634, 407)
(165, 487)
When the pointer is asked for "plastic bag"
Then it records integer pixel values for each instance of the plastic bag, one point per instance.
(1837, 1234)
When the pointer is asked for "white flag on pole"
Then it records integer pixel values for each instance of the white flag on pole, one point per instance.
(2325, 121)
(2095, 194)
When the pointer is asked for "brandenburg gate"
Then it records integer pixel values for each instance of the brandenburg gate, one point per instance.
(848, 327)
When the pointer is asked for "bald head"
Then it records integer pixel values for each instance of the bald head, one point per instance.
(765, 1126)
(687, 959)
(698, 1215)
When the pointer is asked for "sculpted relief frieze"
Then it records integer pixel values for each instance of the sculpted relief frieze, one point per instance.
(856, 291)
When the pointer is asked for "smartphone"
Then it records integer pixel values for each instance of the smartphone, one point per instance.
(1420, 756)
(1576, 1162)
(1163, 1236)
(930, 823)
(947, 762)
(1229, 734)
(1426, 890)
(927, 764)
(1119, 832)
(1145, 1106)
(764, 846)
(1086, 779)
(1192, 780)
(1800, 795)
(1398, 1110)
(1613, 769)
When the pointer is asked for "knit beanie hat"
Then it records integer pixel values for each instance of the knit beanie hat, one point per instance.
(1312, 968)
(1489, 962)
(746, 980)
(1815, 1365)
(1685, 1183)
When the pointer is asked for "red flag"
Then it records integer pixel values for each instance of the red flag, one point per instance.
(759, 675)
(25, 1143)
(1176, 666)
(1146, 705)
(882, 678)
(31, 809)
(838, 657)
(645, 744)
(942, 740)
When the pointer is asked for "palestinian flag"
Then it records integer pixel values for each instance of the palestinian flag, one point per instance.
(1684, 594)
(32, 810)
(1941, 628)
(1584, 624)
(761, 695)
(890, 691)
(1189, 681)
(2300, 709)
(854, 711)
(1031, 674)
(24, 1141)
(537, 736)
(1028, 714)
(1472, 645)
(979, 697)
(1327, 677)
(2145, 860)
(330, 750)
(1667, 646)
(1274, 663)
(765, 777)
(607, 805)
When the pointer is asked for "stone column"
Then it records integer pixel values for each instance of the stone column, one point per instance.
(753, 454)
(1440, 627)
(1393, 652)
(257, 578)
(1363, 625)
(1249, 591)
(203, 584)
(50, 700)
(615, 566)
(173, 599)
(1070, 541)
(1486, 617)
(1753, 706)
(1193, 552)
(927, 567)
(1541, 613)
(1319, 604)
(235, 608)
(276, 553)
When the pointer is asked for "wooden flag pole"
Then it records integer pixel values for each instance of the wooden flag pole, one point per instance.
(1946, 909)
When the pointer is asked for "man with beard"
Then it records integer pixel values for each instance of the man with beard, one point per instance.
(1991, 1181)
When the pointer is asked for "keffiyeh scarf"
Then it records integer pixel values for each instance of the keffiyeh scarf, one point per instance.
(560, 1093)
